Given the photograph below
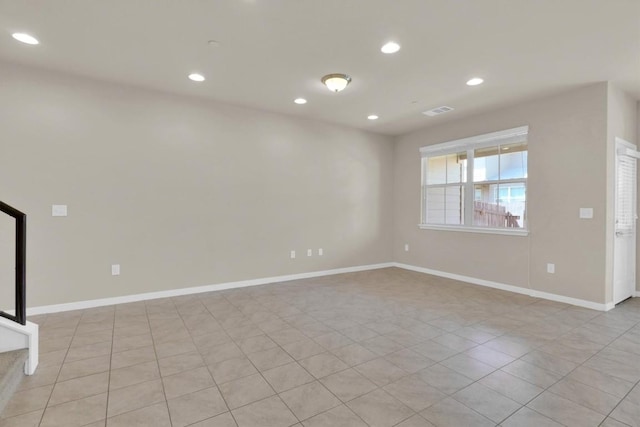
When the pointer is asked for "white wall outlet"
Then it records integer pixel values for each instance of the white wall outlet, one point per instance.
(58, 210)
(406, 247)
(309, 252)
(320, 252)
(551, 268)
(293, 254)
(586, 213)
(115, 269)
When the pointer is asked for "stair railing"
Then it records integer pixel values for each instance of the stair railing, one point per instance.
(21, 257)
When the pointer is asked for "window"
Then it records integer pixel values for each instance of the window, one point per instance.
(477, 183)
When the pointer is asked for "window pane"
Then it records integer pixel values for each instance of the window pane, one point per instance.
(454, 205)
(513, 161)
(500, 205)
(437, 170)
(456, 168)
(435, 205)
(486, 164)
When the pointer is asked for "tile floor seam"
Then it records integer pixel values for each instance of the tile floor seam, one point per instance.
(153, 343)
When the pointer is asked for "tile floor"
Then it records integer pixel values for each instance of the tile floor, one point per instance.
(379, 348)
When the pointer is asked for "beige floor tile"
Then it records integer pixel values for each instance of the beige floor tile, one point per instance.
(231, 369)
(134, 397)
(532, 373)
(174, 347)
(526, 417)
(180, 363)
(382, 345)
(380, 409)
(245, 390)
(444, 379)
(191, 408)
(628, 413)
(76, 413)
(600, 380)
(45, 375)
(156, 415)
(414, 393)
(487, 402)
(84, 367)
(340, 416)
(451, 413)
(270, 412)
(287, 376)
(409, 360)
(308, 400)
(222, 420)
(133, 357)
(187, 382)
(88, 351)
(79, 388)
(333, 340)
(322, 364)
(354, 354)
(27, 401)
(565, 411)
(133, 375)
(434, 351)
(256, 343)
(31, 419)
(268, 359)
(303, 349)
(380, 371)
(489, 356)
(468, 366)
(348, 384)
(584, 395)
(131, 342)
(512, 387)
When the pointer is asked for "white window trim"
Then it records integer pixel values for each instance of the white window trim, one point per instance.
(507, 136)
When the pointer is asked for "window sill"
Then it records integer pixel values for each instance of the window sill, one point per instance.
(481, 230)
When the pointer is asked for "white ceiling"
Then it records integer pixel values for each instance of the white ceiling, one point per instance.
(272, 51)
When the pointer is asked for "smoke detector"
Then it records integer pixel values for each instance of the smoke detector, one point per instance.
(437, 111)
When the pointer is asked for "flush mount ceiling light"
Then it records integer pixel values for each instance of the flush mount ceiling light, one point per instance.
(336, 82)
(475, 81)
(25, 38)
(300, 101)
(390, 47)
(196, 77)
(372, 117)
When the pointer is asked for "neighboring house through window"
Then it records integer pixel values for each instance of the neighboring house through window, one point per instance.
(477, 183)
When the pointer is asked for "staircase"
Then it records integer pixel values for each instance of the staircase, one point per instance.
(11, 374)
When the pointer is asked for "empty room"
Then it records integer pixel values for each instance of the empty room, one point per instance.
(274, 213)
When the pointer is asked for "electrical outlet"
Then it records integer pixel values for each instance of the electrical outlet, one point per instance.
(58, 210)
(293, 254)
(115, 270)
(406, 247)
(320, 252)
(309, 252)
(551, 268)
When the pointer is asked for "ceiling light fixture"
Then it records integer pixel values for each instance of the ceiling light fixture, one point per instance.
(336, 82)
(25, 38)
(372, 117)
(300, 101)
(196, 77)
(475, 81)
(390, 47)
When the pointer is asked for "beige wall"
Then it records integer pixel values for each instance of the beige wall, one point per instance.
(567, 170)
(181, 192)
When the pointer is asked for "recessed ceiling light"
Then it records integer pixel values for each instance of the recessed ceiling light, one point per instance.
(372, 117)
(390, 47)
(300, 101)
(25, 38)
(196, 77)
(475, 81)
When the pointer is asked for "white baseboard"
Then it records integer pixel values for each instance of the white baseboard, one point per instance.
(511, 288)
(81, 305)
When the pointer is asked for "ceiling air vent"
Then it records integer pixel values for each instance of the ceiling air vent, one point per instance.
(436, 111)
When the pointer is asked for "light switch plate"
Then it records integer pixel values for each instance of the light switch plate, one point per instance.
(320, 252)
(551, 268)
(58, 210)
(586, 213)
(115, 269)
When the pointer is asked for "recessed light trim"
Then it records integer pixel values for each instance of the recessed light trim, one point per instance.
(475, 81)
(196, 77)
(300, 101)
(390, 47)
(25, 38)
(372, 117)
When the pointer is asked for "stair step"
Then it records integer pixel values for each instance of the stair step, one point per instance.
(11, 374)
